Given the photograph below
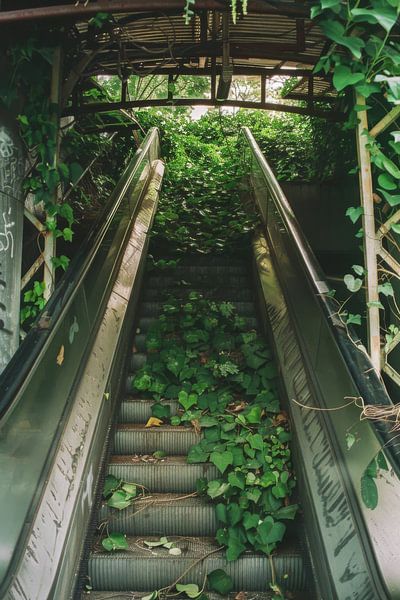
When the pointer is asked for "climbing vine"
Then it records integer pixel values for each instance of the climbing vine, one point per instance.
(202, 353)
(364, 60)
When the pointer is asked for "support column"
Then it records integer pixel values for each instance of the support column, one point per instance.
(50, 239)
(12, 170)
(370, 243)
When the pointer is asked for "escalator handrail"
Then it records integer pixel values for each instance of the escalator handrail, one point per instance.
(24, 360)
(365, 378)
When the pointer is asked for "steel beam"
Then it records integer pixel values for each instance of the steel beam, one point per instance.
(109, 106)
(84, 10)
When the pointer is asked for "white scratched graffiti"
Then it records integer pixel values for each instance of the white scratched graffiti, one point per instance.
(6, 236)
(6, 144)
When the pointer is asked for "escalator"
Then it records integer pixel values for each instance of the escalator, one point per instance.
(170, 509)
(68, 417)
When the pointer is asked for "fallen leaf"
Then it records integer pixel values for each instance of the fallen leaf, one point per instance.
(153, 422)
(280, 419)
(60, 356)
(196, 426)
(240, 596)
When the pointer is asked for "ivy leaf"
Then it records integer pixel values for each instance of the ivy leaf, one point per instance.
(353, 319)
(369, 492)
(235, 548)
(110, 485)
(119, 500)
(220, 582)
(350, 440)
(354, 213)
(233, 513)
(343, 77)
(236, 479)
(197, 455)
(215, 488)
(221, 460)
(270, 531)
(253, 416)
(161, 411)
(286, 512)
(386, 289)
(391, 199)
(384, 15)
(387, 182)
(381, 461)
(395, 227)
(190, 589)
(115, 541)
(187, 400)
(336, 32)
(352, 283)
(250, 520)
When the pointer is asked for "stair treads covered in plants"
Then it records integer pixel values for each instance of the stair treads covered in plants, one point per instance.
(201, 353)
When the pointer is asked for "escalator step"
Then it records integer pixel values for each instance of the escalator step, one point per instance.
(143, 569)
(211, 596)
(162, 514)
(145, 323)
(138, 410)
(163, 282)
(170, 473)
(138, 360)
(218, 293)
(149, 309)
(133, 438)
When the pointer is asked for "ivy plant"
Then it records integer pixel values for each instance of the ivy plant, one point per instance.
(223, 375)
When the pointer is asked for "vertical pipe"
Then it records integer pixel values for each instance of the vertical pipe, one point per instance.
(50, 239)
(370, 255)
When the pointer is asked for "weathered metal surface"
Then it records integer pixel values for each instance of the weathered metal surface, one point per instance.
(49, 562)
(11, 225)
(35, 407)
(355, 550)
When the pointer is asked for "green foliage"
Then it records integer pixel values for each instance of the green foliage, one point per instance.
(34, 301)
(226, 385)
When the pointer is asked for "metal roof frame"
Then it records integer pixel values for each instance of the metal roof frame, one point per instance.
(149, 37)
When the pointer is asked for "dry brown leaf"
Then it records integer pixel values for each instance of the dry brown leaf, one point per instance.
(196, 426)
(240, 596)
(281, 418)
(154, 422)
(60, 356)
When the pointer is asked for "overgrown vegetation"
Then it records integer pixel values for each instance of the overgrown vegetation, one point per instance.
(223, 375)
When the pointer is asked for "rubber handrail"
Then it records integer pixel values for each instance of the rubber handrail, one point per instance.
(23, 361)
(369, 386)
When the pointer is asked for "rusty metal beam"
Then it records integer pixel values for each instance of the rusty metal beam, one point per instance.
(106, 107)
(84, 10)
(237, 70)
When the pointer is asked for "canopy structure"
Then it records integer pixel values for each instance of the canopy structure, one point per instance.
(151, 38)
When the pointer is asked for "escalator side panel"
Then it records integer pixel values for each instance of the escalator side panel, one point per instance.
(336, 549)
(49, 564)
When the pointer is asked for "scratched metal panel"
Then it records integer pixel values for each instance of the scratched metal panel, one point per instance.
(49, 564)
(337, 551)
(12, 168)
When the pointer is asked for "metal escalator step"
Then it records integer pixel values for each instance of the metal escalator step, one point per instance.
(142, 569)
(170, 473)
(210, 270)
(221, 293)
(162, 514)
(145, 323)
(149, 309)
(138, 410)
(163, 282)
(138, 360)
(211, 596)
(132, 438)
